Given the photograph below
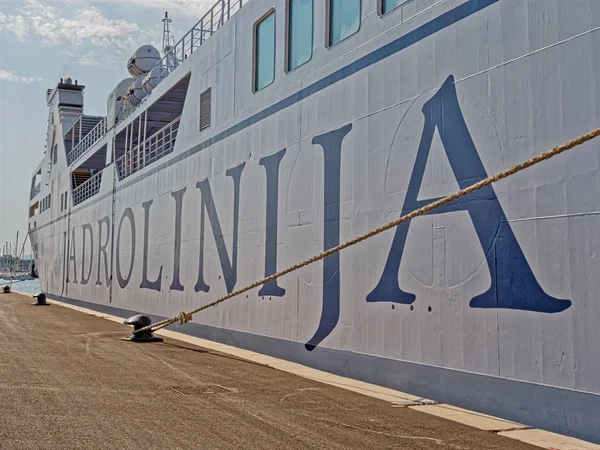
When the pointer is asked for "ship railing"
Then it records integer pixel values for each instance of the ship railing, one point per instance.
(220, 13)
(35, 191)
(157, 146)
(208, 25)
(90, 139)
(87, 189)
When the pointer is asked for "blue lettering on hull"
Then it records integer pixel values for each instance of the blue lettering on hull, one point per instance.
(514, 285)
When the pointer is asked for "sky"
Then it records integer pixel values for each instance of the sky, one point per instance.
(44, 40)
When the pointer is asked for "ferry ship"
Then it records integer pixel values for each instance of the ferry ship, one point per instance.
(276, 129)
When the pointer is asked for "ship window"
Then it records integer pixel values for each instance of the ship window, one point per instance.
(55, 153)
(386, 6)
(49, 197)
(299, 32)
(62, 201)
(264, 51)
(205, 101)
(343, 19)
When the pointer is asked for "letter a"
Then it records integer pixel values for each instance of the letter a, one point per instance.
(514, 285)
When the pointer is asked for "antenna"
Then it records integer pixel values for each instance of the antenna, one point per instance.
(167, 38)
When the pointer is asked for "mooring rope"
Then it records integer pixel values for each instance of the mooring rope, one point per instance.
(185, 317)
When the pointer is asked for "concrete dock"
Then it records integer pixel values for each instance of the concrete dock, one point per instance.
(68, 381)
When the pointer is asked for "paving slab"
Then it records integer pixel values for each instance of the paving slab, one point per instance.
(67, 381)
(471, 418)
(550, 441)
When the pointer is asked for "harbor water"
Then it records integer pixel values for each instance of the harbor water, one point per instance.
(27, 286)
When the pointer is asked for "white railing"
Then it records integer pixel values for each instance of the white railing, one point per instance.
(214, 19)
(220, 13)
(90, 139)
(87, 189)
(152, 149)
(35, 191)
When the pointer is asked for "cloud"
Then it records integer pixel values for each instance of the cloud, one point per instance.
(93, 57)
(85, 26)
(192, 8)
(13, 25)
(11, 76)
(86, 34)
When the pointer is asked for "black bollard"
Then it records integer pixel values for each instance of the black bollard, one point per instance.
(6, 289)
(140, 321)
(41, 300)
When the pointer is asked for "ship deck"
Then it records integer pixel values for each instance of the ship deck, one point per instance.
(68, 381)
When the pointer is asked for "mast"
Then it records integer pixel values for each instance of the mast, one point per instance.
(167, 38)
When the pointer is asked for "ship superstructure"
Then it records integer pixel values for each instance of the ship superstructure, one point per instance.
(274, 130)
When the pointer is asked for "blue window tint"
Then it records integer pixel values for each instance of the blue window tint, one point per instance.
(264, 59)
(388, 5)
(300, 32)
(344, 19)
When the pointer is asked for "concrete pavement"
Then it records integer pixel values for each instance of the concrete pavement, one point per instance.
(67, 381)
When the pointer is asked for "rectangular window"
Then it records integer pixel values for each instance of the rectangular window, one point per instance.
(55, 153)
(300, 32)
(387, 5)
(205, 101)
(344, 19)
(264, 51)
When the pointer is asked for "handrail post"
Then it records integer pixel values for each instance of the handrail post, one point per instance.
(131, 136)
(139, 142)
(145, 136)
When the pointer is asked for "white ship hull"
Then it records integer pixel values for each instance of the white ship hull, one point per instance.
(490, 304)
